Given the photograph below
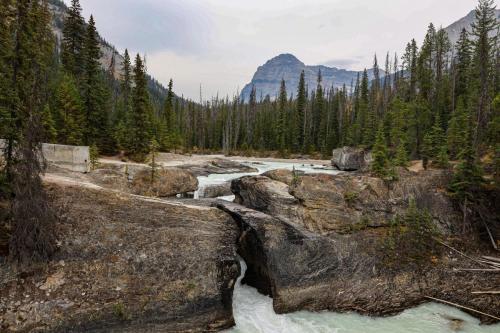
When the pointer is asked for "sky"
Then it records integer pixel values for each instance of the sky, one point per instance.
(218, 44)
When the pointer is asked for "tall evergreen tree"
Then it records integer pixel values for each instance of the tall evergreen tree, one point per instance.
(94, 95)
(140, 135)
(73, 39)
(484, 31)
(282, 105)
(301, 105)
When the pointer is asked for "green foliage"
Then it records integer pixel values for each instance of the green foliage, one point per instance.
(49, 125)
(73, 40)
(401, 158)
(441, 160)
(153, 155)
(468, 174)
(69, 112)
(94, 156)
(350, 197)
(140, 118)
(380, 165)
(411, 239)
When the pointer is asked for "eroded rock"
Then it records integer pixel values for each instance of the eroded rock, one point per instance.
(126, 264)
(165, 182)
(351, 159)
(217, 190)
(303, 270)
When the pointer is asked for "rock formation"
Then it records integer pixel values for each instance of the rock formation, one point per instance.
(318, 244)
(126, 264)
(351, 159)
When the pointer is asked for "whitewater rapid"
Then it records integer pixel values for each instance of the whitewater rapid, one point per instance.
(253, 313)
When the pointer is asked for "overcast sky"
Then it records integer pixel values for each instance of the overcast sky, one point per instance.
(220, 43)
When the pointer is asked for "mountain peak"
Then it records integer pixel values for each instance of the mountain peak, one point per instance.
(285, 59)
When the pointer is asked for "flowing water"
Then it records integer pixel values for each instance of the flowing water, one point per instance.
(253, 312)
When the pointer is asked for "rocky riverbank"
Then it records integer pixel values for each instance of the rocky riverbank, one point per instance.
(314, 242)
(126, 264)
(130, 263)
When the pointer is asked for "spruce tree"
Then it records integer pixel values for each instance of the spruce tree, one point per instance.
(140, 136)
(484, 31)
(380, 165)
(456, 135)
(33, 233)
(49, 126)
(73, 40)
(69, 112)
(468, 174)
(462, 64)
(301, 105)
(282, 105)
(94, 94)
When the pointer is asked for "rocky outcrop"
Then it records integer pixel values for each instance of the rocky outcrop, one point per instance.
(351, 159)
(126, 264)
(217, 190)
(324, 203)
(284, 175)
(266, 195)
(303, 270)
(166, 182)
(218, 166)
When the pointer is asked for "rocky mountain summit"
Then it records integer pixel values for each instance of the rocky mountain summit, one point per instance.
(268, 77)
(454, 29)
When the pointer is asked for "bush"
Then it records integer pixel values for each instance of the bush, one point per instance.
(411, 239)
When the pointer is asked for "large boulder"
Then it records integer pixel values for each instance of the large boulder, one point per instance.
(216, 190)
(126, 264)
(167, 182)
(351, 159)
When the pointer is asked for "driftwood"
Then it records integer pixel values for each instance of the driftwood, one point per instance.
(478, 269)
(492, 259)
(462, 307)
(486, 292)
(461, 253)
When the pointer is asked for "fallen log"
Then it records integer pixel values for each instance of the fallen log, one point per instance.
(462, 307)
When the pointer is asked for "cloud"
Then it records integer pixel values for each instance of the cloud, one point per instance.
(220, 43)
(345, 63)
(150, 26)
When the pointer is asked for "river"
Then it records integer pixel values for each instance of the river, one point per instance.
(253, 312)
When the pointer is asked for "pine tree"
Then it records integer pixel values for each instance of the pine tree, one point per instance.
(401, 159)
(70, 118)
(462, 64)
(468, 175)
(380, 165)
(49, 126)
(484, 31)
(33, 233)
(456, 135)
(140, 136)
(73, 40)
(301, 110)
(94, 94)
(282, 104)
